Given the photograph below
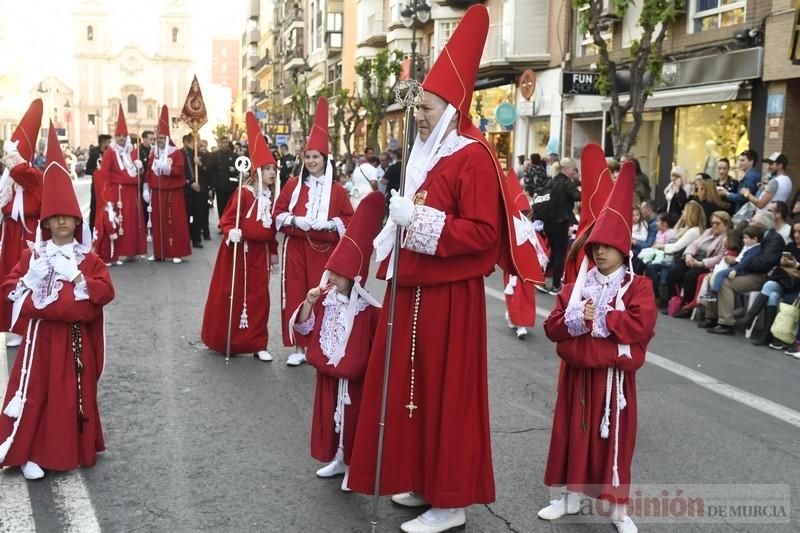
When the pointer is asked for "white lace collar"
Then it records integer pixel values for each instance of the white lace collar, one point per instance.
(450, 145)
(333, 331)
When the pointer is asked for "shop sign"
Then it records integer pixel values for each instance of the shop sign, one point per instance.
(281, 139)
(261, 115)
(525, 109)
(505, 114)
(579, 83)
(527, 84)
(737, 65)
(774, 132)
(775, 104)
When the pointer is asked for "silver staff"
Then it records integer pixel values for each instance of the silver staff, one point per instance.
(407, 93)
(243, 166)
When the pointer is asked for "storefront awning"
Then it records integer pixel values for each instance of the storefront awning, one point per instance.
(704, 94)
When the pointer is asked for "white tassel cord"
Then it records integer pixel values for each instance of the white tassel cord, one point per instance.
(243, 323)
(606, 422)
(342, 400)
(621, 404)
(24, 381)
(283, 271)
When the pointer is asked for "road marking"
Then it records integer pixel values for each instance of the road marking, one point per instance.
(16, 513)
(73, 504)
(776, 410)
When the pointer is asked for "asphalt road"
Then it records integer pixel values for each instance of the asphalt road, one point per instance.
(195, 445)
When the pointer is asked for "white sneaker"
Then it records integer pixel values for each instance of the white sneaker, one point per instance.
(345, 487)
(296, 359)
(264, 355)
(151, 258)
(435, 521)
(522, 332)
(332, 469)
(177, 260)
(508, 322)
(557, 509)
(626, 525)
(119, 263)
(31, 470)
(12, 339)
(409, 499)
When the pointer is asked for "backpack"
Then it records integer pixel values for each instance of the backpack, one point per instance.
(544, 204)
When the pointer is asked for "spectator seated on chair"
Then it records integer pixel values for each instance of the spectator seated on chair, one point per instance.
(746, 279)
(735, 265)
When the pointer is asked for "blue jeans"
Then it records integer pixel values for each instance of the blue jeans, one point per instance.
(774, 293)
(720, 277)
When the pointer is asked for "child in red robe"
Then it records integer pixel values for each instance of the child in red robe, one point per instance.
(521, 296)
(50, 418)
(602, 325)
(338, 321)
(257, 253)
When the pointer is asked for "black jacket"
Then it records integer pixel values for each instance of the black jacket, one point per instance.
(225, 173)
(564, 194)
(188, 167)
(771, 248)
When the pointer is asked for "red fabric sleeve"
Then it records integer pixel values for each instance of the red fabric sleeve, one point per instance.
(554, 326)
(27, 176)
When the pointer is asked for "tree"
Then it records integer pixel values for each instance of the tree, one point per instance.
(221, 131)
(644, 61)
(346, 117)
(301, 106)
(379, 76)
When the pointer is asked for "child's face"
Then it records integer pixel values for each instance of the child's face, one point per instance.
(341, 283)
(607, 258)
(662, 225)
(748, 240)
(636, 216)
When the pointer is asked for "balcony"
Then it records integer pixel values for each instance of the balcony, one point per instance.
(252, 61)
(294, 20)
(253, 86)
(333, 40)
(294, 59)
(262, 65)
(373, 31)
(253, 36)
(517, 42)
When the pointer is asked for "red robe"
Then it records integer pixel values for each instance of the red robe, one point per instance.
(443, 452)
(521, 305)
(132, 239)
(579, 458)
(305, 253)
(257, 245)
(104, 246)
(14, 235)
(49, 433)
(169, 210)
(324, 439)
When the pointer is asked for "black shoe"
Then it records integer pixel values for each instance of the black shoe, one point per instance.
(197, 245)
(707, 323)
(722, 330)
(207, 237)
(684, 313)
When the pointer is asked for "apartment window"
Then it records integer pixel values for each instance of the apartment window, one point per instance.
(586, 45)
(91, 119)
(334, 30)
(335, 77)
(174, 35)
(444, 29)
(89, 33)
(713, 14)
(132, 103)
(150, 112)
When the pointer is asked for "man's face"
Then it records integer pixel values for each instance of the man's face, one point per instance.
(105, 144)
(429, 111)
(120, 140)
(722, 169)
(384, 159)
(162, 141)
(647, 213)
(204, 146)
(773, 168)
(744, 163)
(147, 140)
(570, 171)
(283, 150)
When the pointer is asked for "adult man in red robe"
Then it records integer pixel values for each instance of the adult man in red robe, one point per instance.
(50, 418)
(121, 168)
(164, 192)
(602, 324)
(312, 212)
(456, 214)
(20, 202)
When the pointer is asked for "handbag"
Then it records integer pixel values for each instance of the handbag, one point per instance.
(784, 328)
(674, 305)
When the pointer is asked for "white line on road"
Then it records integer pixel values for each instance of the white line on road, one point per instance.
(16, 513)
(776, 410)
(73, 504)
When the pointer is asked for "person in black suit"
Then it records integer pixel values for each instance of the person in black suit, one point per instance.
(92, 164)
(196, 191)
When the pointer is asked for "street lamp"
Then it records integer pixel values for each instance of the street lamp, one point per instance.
(416, 10)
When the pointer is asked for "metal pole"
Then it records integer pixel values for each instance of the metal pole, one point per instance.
(412, 93)
(242, 165)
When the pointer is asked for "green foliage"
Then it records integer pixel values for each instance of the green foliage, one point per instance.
(379, 76)
(221, 131)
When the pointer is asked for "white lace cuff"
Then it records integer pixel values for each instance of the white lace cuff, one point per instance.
(339, 226)
(422, 235)
(280, 219)
(18, 292)
(304, 328)
(81, 291)
(573, 317)
(599, 327)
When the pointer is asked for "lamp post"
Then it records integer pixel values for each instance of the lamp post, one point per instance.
(416, 10)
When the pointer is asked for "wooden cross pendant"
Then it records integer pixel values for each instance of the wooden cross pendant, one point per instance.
(411, 408)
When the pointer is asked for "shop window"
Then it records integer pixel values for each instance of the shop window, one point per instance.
(586, 45)
(713, 14)
(710, 131)
(585, 131)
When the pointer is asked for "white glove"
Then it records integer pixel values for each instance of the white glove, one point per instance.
(67, 268)
(138, 164)
(235, 235)
(400, 209)
(113, 236)
(12, 159)
(321, 225)
(37, 271)
(146, 193)
(302, 223)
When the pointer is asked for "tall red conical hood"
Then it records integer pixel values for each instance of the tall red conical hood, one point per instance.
(122, 125)
(596, 185)
(518, 196)
(318, 138)
(351, 257)
(163, 121)
(453, 75)
(28, 130)
(260, 153)
(58, 195)
(614, 222)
